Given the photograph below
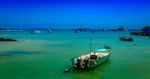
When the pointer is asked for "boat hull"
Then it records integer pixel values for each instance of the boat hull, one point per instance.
(91, 63)
(98, 62)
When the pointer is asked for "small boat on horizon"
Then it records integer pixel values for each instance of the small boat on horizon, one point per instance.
(35, 32)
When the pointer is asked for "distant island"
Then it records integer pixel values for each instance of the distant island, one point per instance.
(121, 28)
(76, 30)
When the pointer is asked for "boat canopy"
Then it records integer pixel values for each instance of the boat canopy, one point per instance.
(102, 50)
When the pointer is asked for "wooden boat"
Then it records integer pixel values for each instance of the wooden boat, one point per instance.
(126, 38)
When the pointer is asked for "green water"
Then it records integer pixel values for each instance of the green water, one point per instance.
(46, 55)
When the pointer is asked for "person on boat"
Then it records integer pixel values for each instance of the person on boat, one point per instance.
(78, 63)
(86, 63)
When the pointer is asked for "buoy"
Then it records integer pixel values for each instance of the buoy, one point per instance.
(66, 70)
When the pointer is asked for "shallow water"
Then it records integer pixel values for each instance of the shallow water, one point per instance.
(46, 55)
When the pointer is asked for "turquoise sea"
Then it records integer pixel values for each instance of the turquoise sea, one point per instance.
(46, 55)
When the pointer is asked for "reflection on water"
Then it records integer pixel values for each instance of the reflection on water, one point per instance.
(14, 53)
(45, 56)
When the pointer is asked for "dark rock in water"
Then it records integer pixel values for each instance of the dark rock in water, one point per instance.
(6, 39)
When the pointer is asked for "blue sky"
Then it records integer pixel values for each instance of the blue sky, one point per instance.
(74, 13)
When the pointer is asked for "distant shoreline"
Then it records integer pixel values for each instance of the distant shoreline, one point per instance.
(64, 29)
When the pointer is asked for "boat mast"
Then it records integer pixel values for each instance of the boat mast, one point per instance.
(90, 44)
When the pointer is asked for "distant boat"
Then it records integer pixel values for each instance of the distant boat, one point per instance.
(103, 29)
(92, 59)
(126, 38)
(121, 28)
(83, 30)
(35, 32)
